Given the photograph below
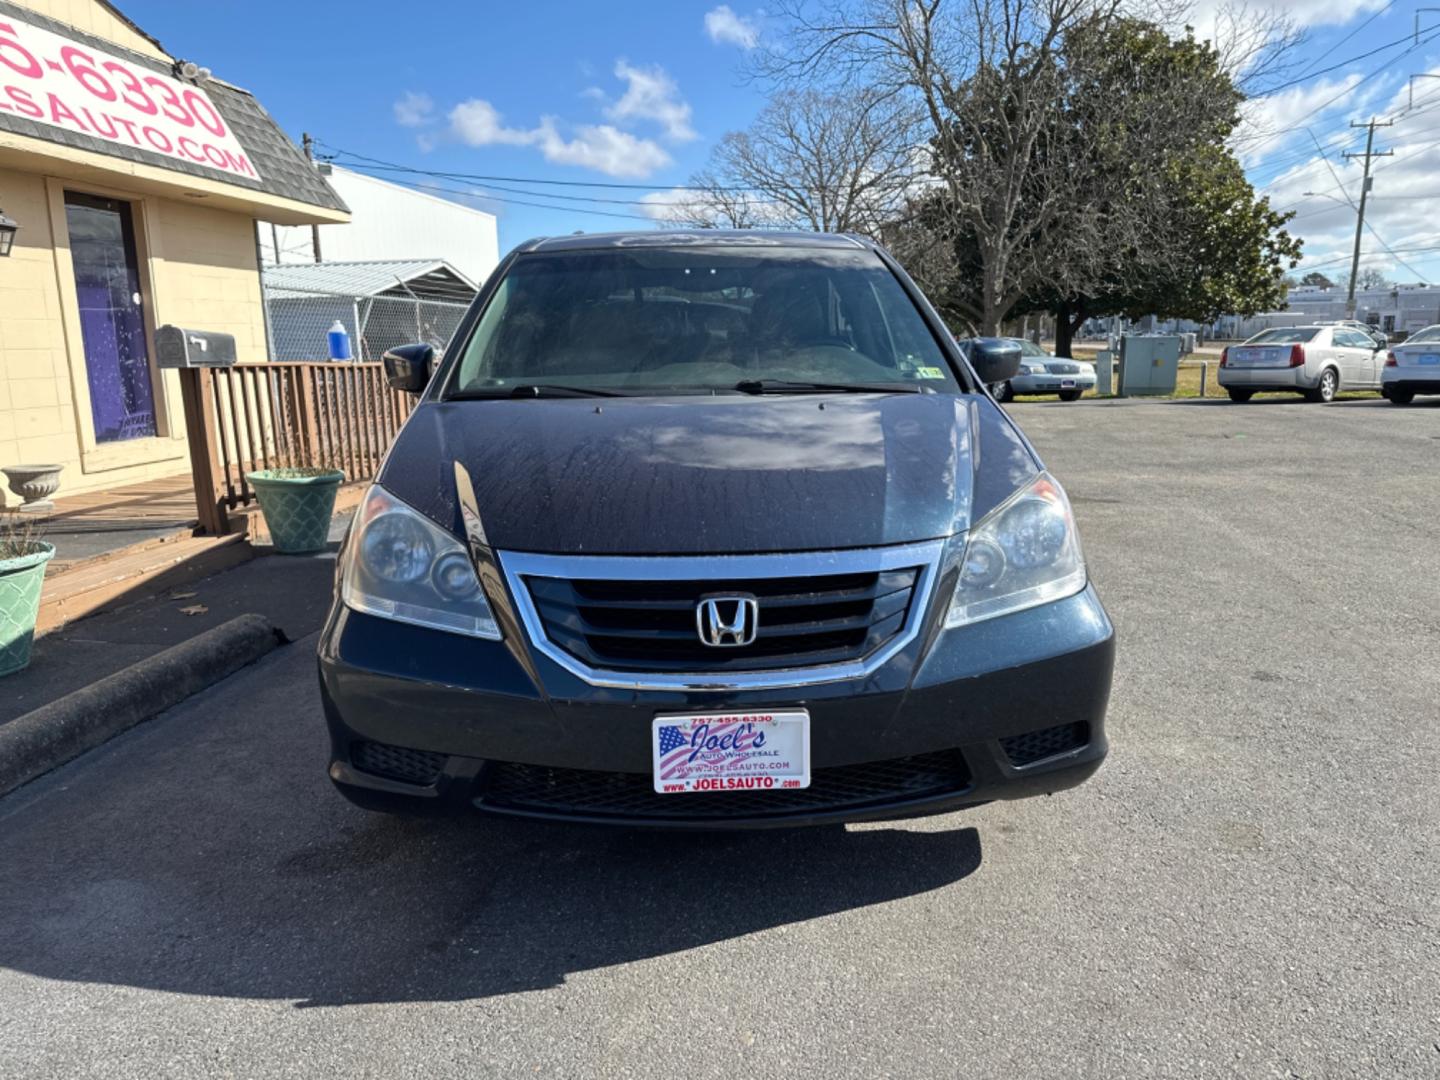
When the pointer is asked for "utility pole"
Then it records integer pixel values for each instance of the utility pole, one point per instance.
(1360, 215)
(309, 144)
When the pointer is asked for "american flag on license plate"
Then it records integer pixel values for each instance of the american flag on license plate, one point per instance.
(676, 751)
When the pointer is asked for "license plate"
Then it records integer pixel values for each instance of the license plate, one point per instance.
(1067, 384)
(1430, 358)
(767, 751)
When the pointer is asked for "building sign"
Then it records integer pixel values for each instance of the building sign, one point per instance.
(53, 80)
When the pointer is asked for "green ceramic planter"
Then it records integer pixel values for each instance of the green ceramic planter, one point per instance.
(297, 508)
(20, 580)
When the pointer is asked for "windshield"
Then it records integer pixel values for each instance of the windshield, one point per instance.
(1289, 336)
(1029, 348)
(700, 320)
(1430, 333)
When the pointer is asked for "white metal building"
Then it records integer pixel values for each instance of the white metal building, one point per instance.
(391, 222)
(1394, 309)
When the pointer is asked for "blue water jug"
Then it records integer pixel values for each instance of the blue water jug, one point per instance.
(339, 341)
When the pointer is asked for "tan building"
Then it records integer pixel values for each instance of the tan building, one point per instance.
(135, 182)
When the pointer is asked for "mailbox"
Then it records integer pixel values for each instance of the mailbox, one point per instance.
(176, 347)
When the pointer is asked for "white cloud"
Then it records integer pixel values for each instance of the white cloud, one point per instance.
(662, 205)
(414, 110)
(477, 123)
(1402, 207)
(651, 94)
(602, 147)
(1269, 122)
(1303, 13)
(725, 27)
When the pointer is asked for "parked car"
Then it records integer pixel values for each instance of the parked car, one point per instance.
(1374, 333)
(1316, 361)
(1412, 367)
(1044, 373)
(708, 528)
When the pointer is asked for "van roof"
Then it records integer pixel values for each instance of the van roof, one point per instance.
(659, 238)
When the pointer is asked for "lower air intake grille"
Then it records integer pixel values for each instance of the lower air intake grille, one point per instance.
(630, 795)
(397, 762)
(1035, 746)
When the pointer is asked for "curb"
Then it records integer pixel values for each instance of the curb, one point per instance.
(47, 737)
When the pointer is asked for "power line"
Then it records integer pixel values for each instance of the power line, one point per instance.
(522, 202)
(390, 165)
(1305, 72)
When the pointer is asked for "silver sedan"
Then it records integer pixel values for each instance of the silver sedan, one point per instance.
(1042, 373)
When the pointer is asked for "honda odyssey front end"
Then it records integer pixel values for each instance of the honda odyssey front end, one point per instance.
(709, 530)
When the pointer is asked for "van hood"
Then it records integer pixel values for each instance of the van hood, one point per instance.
(711, 475)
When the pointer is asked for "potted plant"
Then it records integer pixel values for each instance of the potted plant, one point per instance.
(298, 502)
(23, 556)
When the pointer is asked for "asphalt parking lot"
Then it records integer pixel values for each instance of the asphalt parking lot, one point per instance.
(1248, 888)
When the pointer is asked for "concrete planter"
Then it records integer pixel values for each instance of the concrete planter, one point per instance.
(20, 581)
(35, 484)
(298, 505)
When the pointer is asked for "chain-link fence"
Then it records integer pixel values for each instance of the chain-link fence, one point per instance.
(299, 322)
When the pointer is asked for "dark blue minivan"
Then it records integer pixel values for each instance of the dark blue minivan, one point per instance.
(710, 529)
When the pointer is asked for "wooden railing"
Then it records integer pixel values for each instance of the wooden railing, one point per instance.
(260, 416)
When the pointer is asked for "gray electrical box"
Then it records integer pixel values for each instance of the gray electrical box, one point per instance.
(1149, 364)
(179, 348)
(1104, 372)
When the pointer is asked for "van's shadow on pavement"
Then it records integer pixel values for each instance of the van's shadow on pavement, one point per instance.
(187, 859)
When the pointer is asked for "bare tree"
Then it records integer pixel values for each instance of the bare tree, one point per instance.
(984, 81)
(816, 161)
(1045, 144)
(711, 203)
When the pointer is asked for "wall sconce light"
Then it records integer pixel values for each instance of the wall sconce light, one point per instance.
(8, 229)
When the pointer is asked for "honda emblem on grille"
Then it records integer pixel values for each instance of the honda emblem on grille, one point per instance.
(727, 621)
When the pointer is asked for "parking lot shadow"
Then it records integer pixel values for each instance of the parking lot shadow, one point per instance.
(264, 884)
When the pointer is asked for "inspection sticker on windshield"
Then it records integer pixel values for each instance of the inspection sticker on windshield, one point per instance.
(930, 373)
(768, 751)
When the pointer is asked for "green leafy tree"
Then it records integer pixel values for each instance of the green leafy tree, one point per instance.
(1143, 208)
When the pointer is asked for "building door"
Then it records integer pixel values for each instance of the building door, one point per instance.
(112, 324)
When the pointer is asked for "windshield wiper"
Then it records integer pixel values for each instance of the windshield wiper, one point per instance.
(531, 390)
(789, 386)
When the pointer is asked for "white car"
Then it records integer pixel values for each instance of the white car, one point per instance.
(1316, 361)
(1413, 367)
(1042, 373)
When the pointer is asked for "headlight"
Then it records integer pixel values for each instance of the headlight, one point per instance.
(400, 565)
(1024, 553)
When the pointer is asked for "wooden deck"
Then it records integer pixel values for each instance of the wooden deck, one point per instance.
(152, 504)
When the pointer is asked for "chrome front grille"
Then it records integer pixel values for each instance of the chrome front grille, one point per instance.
(1063, 368)
(632, 622)
(651, 625)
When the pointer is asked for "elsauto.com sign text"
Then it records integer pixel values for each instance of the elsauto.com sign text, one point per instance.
(52, 80)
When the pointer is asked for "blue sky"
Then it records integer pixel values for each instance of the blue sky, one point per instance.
(629, 92)
(637, 93)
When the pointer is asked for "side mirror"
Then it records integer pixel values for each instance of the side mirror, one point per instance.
(994, 359)
(408, 367)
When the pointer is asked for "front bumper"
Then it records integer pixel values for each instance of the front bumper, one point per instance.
(1001, 709)
(1050, 383)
